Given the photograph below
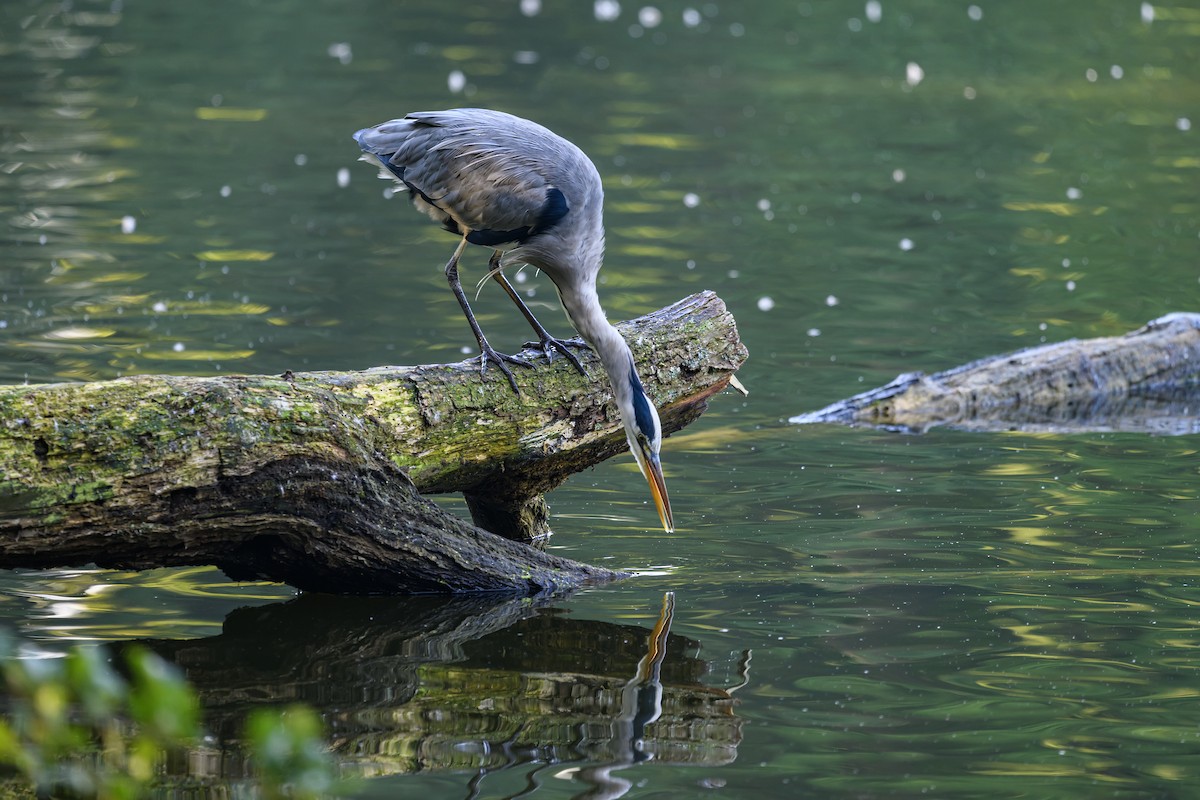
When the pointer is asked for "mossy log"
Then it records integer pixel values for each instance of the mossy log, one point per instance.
(314, 479)
(1147, 380)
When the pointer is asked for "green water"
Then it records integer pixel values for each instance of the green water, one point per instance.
(947, 615)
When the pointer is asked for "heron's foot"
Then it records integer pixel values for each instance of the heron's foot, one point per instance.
(549, 345)
(501, 360)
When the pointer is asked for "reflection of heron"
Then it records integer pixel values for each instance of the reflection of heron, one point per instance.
(659, 712)
(641, 704)
(505, 182)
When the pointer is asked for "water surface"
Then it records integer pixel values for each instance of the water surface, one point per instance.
(872, 189)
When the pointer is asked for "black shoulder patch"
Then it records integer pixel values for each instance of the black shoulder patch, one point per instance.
(497, 238)
(552, 211)
(643, 418)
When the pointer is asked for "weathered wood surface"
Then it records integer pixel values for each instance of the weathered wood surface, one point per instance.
(313, 479)
(1147, 380)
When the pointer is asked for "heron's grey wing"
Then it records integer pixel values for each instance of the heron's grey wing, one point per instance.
(485, 169)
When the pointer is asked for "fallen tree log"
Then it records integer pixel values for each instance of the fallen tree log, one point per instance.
(313, 479)
(1147, 380)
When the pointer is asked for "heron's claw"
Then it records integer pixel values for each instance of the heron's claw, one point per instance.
(549, 345)
(502, 361)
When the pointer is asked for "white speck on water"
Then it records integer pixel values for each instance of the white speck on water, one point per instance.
(178, 347)
(1070, 286)
(520, 277)
(456, 81)
(691, 263)
(913, 74)
(898, 175)
(1091, 75)
(906, 244)
(300, 160)
(854, 24)
(813, 332)
(42, 239)
(855, 197)
(969, 92)
(737, 29)
(764, 204)
(691, 17)
(128, 224)
(606, 10)
(526, 57)
(343, 178)
(1183, 124)
(159, 308)
(975, 13)
(1073, 193)
(650, 17)
(1116, 71)
(733, 273)
(1066, 262)
(341, 51)
(831, 300)
(226, 190)
(1042, 326)
(531, 8)
(465, 350)
(874, 10)
(1147, 13)
(765, 303)
(691, 199)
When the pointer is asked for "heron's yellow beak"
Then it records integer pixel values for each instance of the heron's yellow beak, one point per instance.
(652, 469)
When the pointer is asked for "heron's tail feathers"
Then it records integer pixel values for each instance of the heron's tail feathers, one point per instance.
(385, 173)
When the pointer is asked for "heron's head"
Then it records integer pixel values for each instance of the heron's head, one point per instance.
(644, 433)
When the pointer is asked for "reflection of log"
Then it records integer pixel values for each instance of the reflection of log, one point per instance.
(1147, 380)
(313, 479)
(447, 683)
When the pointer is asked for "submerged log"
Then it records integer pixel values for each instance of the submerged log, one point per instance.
(1147, 380)
(314, 479)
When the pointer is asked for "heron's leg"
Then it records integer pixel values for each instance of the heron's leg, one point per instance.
(487, 352)
(548, 342)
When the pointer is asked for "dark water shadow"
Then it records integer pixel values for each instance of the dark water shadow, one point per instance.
(472, 684)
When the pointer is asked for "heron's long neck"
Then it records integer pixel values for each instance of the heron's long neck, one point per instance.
(588, 317)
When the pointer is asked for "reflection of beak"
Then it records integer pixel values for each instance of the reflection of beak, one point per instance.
(652, 469)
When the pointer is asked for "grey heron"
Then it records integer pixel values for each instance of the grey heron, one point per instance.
(510, 184)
